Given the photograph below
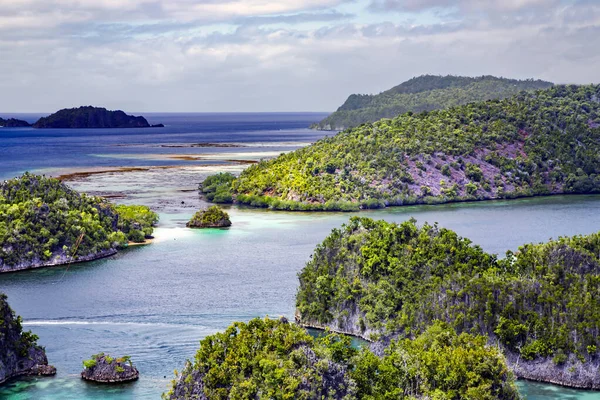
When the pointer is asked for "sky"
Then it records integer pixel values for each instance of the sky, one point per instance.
(286, 55)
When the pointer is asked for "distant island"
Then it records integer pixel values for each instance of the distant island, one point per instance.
(43, 223)
(539, 306)
(424, 93)
(13, 123)
(534, 143)
(86, 117)
(91, 117)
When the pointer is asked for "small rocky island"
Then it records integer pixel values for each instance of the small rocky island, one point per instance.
(13, 123)
(91, 117)
(20, 354)
(213, 217)
(106, 369)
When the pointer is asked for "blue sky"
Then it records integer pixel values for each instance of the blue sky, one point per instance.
(288, 55)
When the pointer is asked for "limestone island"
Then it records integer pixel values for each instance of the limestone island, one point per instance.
(20, 354)
(273, 359)
(106, 369)
(213, 217)
(13, 123)
(44, 223)
(91, 117)
(385, 282)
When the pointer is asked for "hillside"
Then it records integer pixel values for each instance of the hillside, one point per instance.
(19, 351)
(541, 305)
(90, 117)
(13, 123)
(267, 359)
(43, 222)
(541, 143)
(424, 93)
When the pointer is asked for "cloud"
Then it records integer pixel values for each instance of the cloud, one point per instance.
(264, 56)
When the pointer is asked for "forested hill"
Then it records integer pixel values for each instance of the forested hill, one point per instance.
(540, 305)
(91, 117)
(546, 142)
(424, 93)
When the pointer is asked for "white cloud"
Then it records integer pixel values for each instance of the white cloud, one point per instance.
(158, 59)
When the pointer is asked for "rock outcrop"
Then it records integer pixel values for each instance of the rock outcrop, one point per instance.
(20, 354)
(213, 217)
(91, 117)
(106, 369)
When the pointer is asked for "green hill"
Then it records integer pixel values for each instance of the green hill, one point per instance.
(267, 359)
(43, 222)
(541, 305)
(546, 142)
(424, 93)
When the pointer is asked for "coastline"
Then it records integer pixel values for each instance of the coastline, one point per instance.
(62, 261)
(319, 206)
(585, 375)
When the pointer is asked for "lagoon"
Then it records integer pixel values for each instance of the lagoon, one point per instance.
(156, 302)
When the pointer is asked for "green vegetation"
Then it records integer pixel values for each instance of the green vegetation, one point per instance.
(539, 143)
(438, 364)
(213, 217)
(424, 93)
(12, 336)
(136, 222)
(90, 363)
(376, 278)
(268, 359)
(217, 188)
(42, 221)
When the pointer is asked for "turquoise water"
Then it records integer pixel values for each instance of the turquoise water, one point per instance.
(156, 302)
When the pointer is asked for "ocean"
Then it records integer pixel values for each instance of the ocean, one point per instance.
(156, 302)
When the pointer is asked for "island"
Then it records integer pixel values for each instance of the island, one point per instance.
(13, 123)
(103, 368)
(20, 355)
(384, 281)
(424, 93)
(274, 359)
(531, 144)
(44, 223)
(212, 217)
(91, 117)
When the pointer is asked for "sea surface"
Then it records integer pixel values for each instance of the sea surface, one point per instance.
(156, 302)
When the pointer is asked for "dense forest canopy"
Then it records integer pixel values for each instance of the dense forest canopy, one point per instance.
(383, 280)
(269, 359)
(546, 142)
(42, 219)
(424, 93)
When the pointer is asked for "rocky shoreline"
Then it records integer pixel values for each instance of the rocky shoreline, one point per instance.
(572, 374)
(20, 355)
(57, 261)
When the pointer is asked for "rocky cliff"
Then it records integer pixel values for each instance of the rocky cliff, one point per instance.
(19, 353)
